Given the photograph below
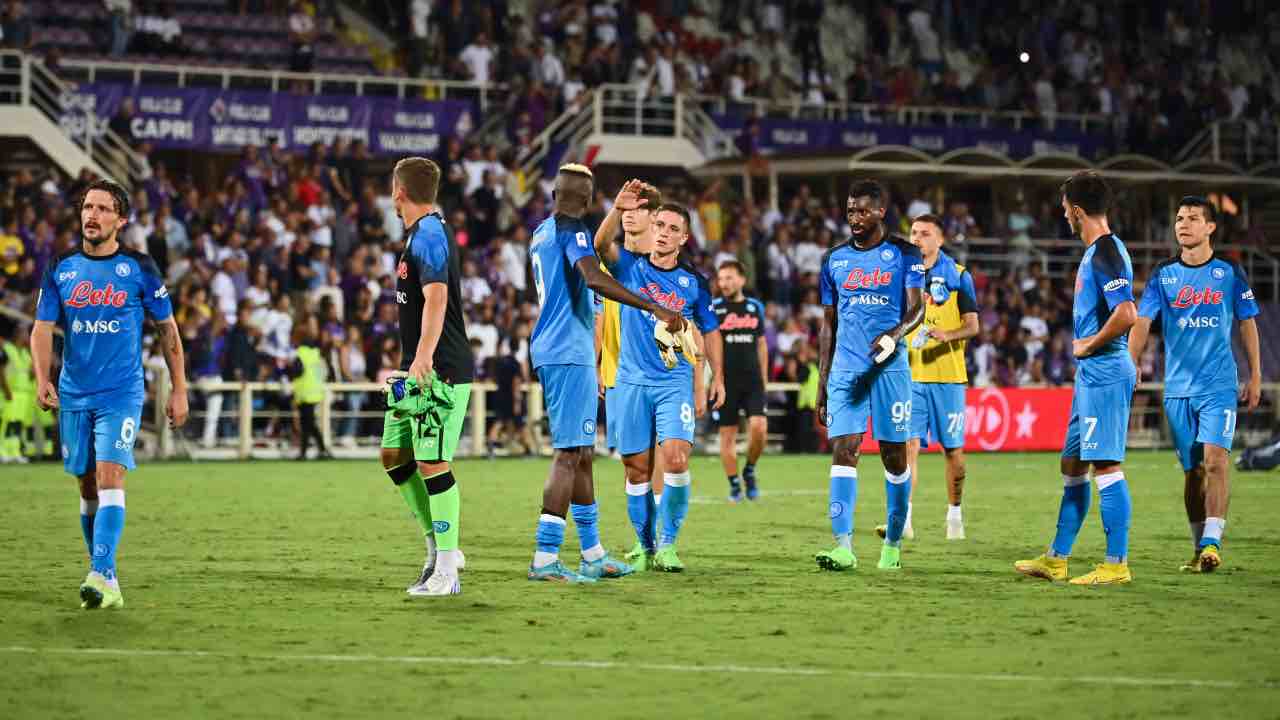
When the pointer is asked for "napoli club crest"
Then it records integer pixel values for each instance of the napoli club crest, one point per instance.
(122, 269)
(886, 254)
(1219, 273)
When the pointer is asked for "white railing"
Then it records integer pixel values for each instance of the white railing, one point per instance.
(24, 80)
(622, 109)
(993, 253)
(874, 113)
(276, 80)
(1242, 142)
(1148, 428)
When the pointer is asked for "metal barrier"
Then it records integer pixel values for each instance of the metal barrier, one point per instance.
(1148, 430)
(798, 107)
(25, 81)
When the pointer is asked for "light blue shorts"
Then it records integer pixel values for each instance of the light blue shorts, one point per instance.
(570, 394)
(100, 435)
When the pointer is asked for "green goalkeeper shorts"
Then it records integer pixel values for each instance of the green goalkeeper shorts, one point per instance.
(431, 442)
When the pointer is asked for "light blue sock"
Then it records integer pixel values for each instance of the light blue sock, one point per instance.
(550, 535)
(585, 517)
(1212, 534)
(88, 508)
(675, 505)
(897, 492)
(844, 495)
(1116, 507)
(1071, 514)
(639, 502)
(108, 526)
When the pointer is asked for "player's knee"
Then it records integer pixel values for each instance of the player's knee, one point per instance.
(675, 457)
(1073, 467)
(955, 458)
(566, 460)
(427, 470)
(845, 452)
(757, 425)
(636, 468)
(1215, 460)
(109, 476)
(894, 456)
(395, 457)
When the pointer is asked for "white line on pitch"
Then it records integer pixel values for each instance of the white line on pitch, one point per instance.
(632, 666)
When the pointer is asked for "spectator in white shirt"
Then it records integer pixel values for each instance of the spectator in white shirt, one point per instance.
(512, 258)
(478, 58)
(475, 289)
(485, 332)
(1036, 329)
(223, 289)
(808, 255)
(550, 69)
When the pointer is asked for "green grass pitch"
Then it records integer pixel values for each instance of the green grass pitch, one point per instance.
(277, 590)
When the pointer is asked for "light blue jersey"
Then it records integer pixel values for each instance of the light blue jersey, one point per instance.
(100, 303)
(680, 289)
(868, 289)
(565, 333)
(1197, 306)
(1103, 281)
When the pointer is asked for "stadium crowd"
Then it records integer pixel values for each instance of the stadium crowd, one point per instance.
(1159, 70)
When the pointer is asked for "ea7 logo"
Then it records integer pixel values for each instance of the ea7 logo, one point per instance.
(65, 276)
(837, 264)
(1166, 280)
(1115, 285)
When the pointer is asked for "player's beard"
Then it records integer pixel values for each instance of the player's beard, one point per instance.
(863, 237)
(101, 237)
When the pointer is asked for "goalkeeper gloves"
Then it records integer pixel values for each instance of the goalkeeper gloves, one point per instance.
(406, 397)
(882, 348)
(672, 345)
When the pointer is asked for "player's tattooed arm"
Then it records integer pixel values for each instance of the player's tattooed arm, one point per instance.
(607, 286)
(882, 350)
(1252, 393)
(42, 362)
(171, 347)
(826, 349)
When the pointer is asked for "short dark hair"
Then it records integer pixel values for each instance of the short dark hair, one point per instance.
(1088, 190)
(116, 191)
(680, 210)
(420, 178)
(930, 218)
(734, 265)
(654, 197)
(866, 187)
(1209, 209)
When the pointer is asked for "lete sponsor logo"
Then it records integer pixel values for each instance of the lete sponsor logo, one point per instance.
(859, 279)
(85, 294)
(669, 300)
(734, 321)
(1189, 296)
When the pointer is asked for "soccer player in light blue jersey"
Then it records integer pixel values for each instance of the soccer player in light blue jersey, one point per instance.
(872, 287)
(99, 294)
(655, 401)
(1102, 313)
(1196, 296)
(565, 272)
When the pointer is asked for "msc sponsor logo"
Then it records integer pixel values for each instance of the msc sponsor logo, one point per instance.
(1115, 285)
(65, 276)
(859, 279)
(1189, 296)
(95, 327)
(402, 297)
(85, 294)
(1198, 322)
(869, 299)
